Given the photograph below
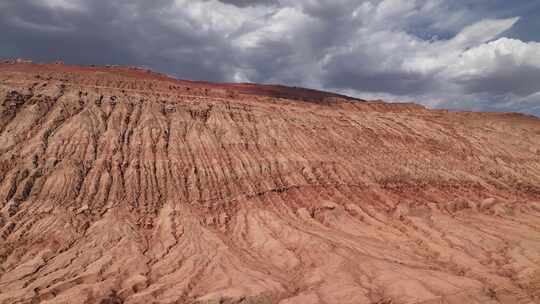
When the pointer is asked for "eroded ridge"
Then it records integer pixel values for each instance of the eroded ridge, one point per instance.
(122, 186)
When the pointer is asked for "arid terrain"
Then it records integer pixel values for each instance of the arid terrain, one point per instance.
(120, 185)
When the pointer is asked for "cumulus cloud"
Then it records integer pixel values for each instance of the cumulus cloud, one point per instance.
(462, 54)
(501, 66)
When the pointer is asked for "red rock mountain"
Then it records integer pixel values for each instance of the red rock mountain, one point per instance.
(120, 185)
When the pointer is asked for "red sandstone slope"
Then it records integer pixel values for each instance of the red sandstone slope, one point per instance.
(124, 186)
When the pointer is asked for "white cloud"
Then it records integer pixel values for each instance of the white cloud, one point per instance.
(389, 10)
(215, 16)
(63, 4)
(480, 32)
(483, 58)
(438, 72)
(279, 26)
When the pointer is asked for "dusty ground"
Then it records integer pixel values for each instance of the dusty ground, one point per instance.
(119, 185)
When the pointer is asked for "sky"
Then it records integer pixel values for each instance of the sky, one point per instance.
(480, 55)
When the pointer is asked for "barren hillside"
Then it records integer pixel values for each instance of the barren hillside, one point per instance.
(119, 185)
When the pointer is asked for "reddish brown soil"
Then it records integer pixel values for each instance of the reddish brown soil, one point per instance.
(120, 185)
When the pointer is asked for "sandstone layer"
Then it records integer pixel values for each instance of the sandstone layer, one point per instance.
(119, 185)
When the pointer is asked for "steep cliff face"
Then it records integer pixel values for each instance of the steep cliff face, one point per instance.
(118, 185)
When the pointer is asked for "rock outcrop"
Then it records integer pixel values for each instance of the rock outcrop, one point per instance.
(120, 185)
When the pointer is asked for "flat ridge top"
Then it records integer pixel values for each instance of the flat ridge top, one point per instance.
(74, 73)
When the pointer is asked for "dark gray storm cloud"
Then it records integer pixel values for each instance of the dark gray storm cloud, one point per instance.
(464, 54)
(507, 77)
(109, 32)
